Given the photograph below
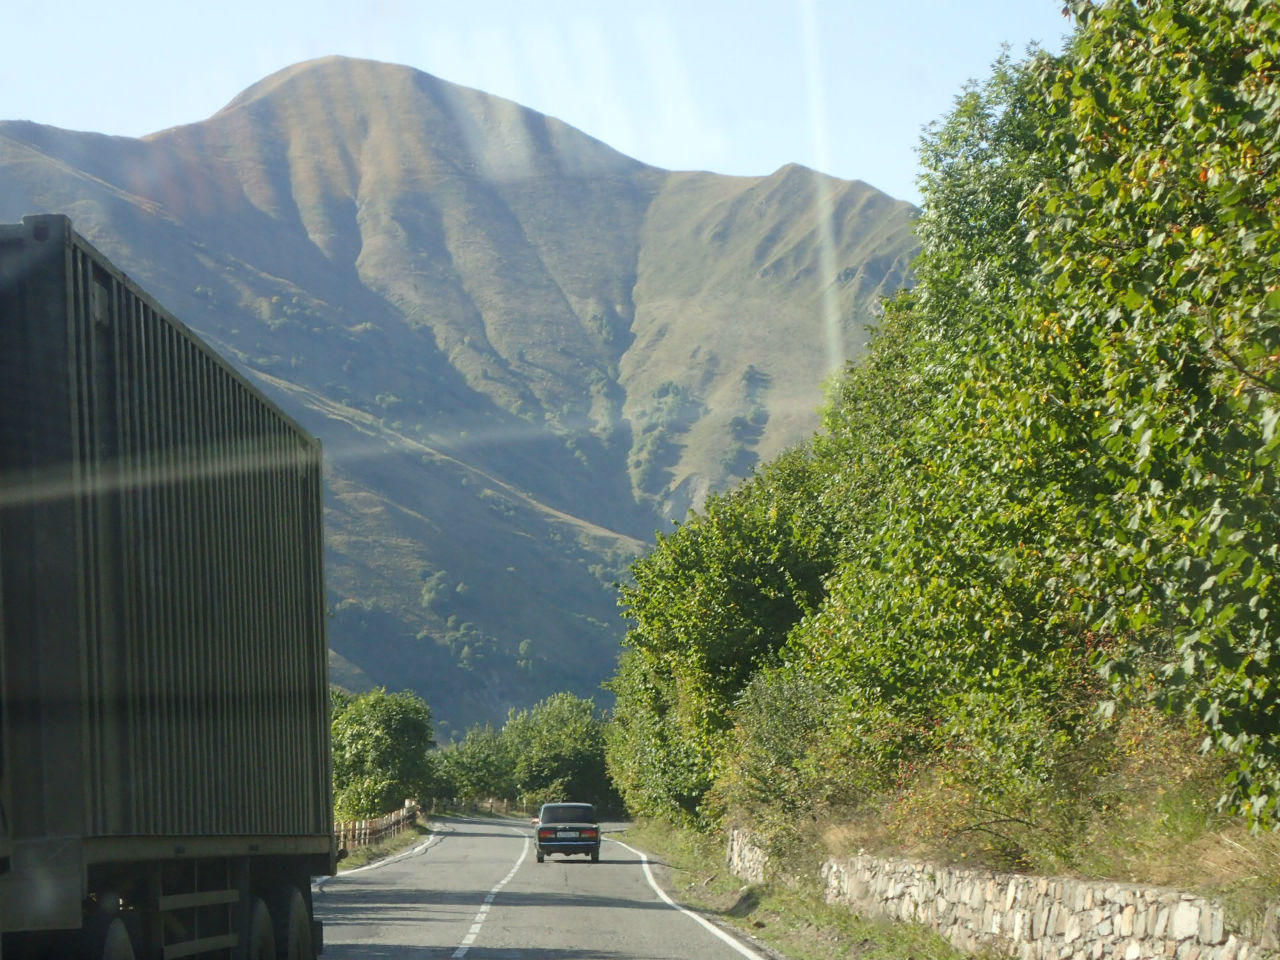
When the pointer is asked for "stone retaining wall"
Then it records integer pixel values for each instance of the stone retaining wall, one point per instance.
(1032, 918)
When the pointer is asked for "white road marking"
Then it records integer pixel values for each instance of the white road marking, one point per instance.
(436, 836)
(644, 860)
(470, 938)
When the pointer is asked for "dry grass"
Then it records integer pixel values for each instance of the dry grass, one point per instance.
(362, 856)
(1173, 838)
(865, 833)
(1141, 807)
(792, 919)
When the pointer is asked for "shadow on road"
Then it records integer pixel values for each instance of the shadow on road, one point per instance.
(580, 861)
(452, 831)
(542, 953)
(467, 826)
(398, 951)
(392, 904)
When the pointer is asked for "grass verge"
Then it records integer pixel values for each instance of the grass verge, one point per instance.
(363, 856)
(795, 921)
(1138, 805)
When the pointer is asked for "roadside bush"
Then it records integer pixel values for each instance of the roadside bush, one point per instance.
(556, 751)
(710, 605)
(382, 753)
(1049, 495)
(479, 767)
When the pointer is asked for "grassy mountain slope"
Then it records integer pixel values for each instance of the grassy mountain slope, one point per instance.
(523, 350)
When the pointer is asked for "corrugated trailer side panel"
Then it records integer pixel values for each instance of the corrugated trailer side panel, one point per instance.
(43, 697)
(183, 665)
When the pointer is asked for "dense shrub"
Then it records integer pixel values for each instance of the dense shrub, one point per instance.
(383, 753)
(1048, 497)
(551, 751)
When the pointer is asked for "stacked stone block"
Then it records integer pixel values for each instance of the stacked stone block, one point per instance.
(1031, 918)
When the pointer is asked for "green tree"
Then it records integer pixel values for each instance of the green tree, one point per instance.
(1093, 477)
(1161, 246)
(382, 753)
(338, 700)
(939, 608)
(1059, 456)
(480, 766)
(556, 751)
(710, 605)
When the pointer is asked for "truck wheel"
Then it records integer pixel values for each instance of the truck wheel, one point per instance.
(262, 937)
(293, 926)
(107, 939)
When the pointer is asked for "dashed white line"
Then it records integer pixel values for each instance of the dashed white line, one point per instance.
(481, 915)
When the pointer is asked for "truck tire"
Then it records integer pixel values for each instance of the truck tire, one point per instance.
(293, 925)
(262, 936)
(106, 938)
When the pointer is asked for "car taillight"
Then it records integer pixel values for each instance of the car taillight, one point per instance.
(544, 833)
(588, 831)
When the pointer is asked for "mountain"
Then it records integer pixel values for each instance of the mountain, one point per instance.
(524, 351)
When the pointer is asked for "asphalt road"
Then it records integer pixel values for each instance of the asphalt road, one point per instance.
(475, 892)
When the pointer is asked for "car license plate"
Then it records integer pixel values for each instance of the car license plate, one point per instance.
(568, 833)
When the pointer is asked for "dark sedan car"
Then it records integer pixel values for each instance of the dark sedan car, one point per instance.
(568, 828)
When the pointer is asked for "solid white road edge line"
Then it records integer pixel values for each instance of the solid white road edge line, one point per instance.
(644, 860)
(470, 938)
(426, 844)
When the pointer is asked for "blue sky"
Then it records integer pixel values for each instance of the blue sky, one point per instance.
(740, 87)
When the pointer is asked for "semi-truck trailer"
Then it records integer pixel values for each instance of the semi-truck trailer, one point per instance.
(165, 778)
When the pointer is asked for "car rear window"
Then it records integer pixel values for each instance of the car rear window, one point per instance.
(568, 813)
